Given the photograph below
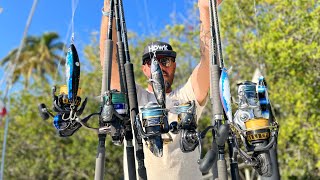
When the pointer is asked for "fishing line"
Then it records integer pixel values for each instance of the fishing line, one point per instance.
(260, 64)
(146, 11)
(74, 5)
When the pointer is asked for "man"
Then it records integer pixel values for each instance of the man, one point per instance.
(174, 164)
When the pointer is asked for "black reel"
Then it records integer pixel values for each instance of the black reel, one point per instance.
(187, 126)
(114, 114)
(67, 112)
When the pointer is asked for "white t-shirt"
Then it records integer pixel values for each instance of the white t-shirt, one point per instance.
(174, 164)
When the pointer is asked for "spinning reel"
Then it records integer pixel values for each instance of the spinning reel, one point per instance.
(114, 115)
(154, 115)
(155, 122)
(67, 103)
(187, 126)
(253, 123)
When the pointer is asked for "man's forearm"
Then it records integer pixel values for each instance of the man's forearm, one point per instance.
(201, 74)
(115, 79)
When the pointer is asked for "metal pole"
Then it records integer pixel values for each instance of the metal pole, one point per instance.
(4, 146)
(11, 71)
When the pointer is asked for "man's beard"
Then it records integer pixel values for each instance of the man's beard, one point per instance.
(167, 84)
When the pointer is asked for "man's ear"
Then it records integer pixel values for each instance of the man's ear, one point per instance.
(143, 69)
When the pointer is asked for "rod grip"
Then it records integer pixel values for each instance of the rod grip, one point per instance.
(234, 170)
(131, 162)
(215, 95)
(142, 172)
(222, 135)
(121, 61)
(100, 158)
(209, 160)
(131, 85)
(222, 170)
(107, 66)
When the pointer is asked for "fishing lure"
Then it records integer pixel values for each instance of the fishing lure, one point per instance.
(263, 97)
(72, 73)
(157, 81)
(225, 94)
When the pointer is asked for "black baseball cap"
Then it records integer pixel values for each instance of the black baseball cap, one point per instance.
(161, 48)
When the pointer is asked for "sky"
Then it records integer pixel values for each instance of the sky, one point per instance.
(144, 17)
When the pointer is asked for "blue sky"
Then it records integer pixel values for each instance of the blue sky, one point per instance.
(142, 16)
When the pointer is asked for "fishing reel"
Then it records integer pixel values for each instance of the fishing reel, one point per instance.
(155, 123)
(67, 103)
(253, 123)
(154, 115)
(114, 115)
(65, 120)
(187, 126)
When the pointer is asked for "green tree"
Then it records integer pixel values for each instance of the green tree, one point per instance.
(39, 57)
(282, 38)
(34, 149)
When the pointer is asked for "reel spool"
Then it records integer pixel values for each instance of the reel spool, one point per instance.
(257, 130)
(114, 113)
(155, 123)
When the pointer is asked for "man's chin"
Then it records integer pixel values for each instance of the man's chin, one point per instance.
(167, 84)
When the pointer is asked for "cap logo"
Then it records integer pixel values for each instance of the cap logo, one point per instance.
(155, 47)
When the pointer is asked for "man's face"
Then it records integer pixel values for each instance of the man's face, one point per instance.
(167, 65)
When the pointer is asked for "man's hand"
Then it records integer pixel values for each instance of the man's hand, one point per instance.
(205, 3)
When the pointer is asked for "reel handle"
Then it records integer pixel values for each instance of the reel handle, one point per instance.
(43, 111)
(211, 156)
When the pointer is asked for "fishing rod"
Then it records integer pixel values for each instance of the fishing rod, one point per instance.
(114, 112)
(219, 95)
(128, 128)
(132, 94)
(253, 121)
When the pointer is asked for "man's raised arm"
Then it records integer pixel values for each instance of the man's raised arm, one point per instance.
(200, 77)
(115, 79)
